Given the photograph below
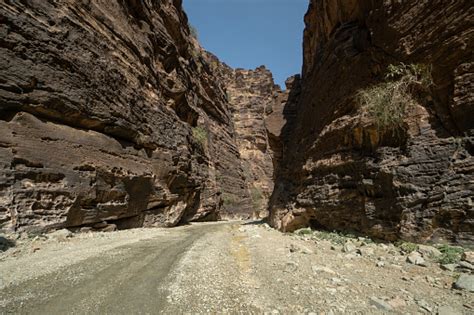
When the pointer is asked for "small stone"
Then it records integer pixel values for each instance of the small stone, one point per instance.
(293, 248)
(380, 304)
(424, 305)
(448, 310)
(397, 302)
(60, 235)
(430, 279)
(465, 282)
(366, 251)
(319, 269)
(85, 229)
(449, 267)
(300, 249)
(380, 264)
(349, 247)
(416, 259)
(291, 266)
(469, 257)
(466, 265)
(423, 263)
(336, 280)
(429, 251)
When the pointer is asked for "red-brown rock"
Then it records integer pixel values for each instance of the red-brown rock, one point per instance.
(109, 113)
(341, 172)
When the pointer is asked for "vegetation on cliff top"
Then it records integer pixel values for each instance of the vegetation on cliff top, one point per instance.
(386, 103)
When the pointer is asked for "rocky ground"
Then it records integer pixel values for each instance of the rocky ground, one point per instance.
(231, 267)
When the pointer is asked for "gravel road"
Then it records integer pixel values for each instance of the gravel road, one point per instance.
(228, 268)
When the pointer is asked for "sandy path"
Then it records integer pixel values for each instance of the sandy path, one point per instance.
(219, 268)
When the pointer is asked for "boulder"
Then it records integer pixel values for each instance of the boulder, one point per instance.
(465, 282)
(468, 256)
(429, 251)
(415, 258)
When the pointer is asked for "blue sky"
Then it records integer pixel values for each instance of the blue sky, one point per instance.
(250, 33)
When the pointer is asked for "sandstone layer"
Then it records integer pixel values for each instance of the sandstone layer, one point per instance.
(110, 116)
(339, 171)
(252, 96)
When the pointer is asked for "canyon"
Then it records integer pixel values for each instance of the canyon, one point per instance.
(112, 116)
(141, 173)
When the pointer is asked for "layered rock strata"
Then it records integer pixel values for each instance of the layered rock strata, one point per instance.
(110, 114)
(252, 96)
(339, 170)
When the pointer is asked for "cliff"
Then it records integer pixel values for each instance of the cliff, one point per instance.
(252, 96)
(389, 172)
(110, 116)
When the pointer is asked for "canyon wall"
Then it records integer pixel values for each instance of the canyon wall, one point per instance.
(252, 96)
(110, 116)
(339, 170)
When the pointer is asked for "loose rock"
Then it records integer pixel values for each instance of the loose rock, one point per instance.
(349, 247)
(449, 267)
(468, 257)
(465, 282)
(380, 304)
(319, 269)
(416, 259)
(429, 251)
(466, 265)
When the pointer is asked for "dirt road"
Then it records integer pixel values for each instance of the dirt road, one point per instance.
(217, 268)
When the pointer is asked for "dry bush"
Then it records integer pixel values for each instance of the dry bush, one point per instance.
(387, 103)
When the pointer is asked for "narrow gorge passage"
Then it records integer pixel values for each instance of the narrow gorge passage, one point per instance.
(225, 268)
(141, 173)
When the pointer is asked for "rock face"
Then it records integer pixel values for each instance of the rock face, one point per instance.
(339, 170)
(252, 95)
(109, 113)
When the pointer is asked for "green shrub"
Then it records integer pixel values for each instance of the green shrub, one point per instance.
(387, 103)
(406, 247)
(304, 231)
(334, 237)
(257, 197)
(451, 254)
(415, 73)
(200, 134)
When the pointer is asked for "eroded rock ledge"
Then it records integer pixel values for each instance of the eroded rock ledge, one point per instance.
(339, 171)
(110, 114)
